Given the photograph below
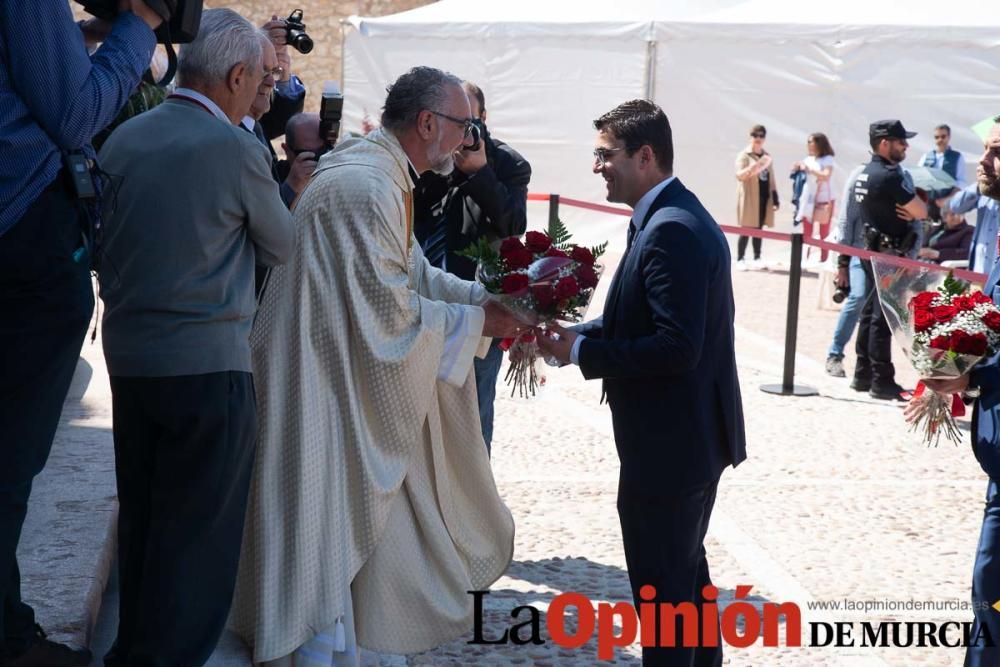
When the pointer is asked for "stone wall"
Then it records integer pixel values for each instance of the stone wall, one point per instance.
(322, 19)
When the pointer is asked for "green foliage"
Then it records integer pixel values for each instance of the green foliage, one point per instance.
(558, 233)
(954, 286)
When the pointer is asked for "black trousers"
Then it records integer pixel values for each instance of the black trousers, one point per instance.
(664, 547)
(184, 452)
(46, 300)
(874, 342)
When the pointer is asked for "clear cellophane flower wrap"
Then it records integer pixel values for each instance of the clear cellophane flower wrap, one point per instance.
(541, 280)
(944, 329)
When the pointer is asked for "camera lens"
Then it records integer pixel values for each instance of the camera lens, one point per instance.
(300, 41)
(839, 296)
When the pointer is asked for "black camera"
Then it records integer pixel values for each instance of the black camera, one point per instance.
(840, 293)
(181, 18)
(477, 138)
(295, 33)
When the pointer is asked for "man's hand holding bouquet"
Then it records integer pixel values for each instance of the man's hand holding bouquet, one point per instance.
(542, 280)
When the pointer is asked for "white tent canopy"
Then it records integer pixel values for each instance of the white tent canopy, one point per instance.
(549, 68)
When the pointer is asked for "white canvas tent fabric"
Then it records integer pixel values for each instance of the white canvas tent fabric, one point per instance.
(549, 68)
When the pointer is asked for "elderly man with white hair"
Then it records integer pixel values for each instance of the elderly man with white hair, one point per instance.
(193, 208)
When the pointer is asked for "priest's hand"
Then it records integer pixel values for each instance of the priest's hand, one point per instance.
(557, 342)
(500, 322)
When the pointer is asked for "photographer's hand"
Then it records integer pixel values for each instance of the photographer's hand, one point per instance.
(277, 32)
(94, 30)
(301, 171)
(469, 162)
(142, 10)
(843, 280)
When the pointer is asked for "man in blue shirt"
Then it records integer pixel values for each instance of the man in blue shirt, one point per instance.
(53, 99)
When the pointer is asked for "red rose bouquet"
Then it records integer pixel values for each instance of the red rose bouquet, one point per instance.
(542, 279)
(945, 329)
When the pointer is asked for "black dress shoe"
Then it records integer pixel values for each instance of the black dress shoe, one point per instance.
(861, 384)
(892, 392)
(46, 653)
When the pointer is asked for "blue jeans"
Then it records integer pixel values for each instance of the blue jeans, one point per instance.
(982, 650)
(487, 369)
(851, 310)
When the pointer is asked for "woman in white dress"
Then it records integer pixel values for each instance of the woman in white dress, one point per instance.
(817, 201)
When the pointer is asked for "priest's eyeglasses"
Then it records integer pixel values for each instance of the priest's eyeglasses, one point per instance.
(601, 155)
(464, 122)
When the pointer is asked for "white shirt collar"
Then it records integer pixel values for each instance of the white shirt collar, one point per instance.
(248, 122)
(642, 206)
(209, 104)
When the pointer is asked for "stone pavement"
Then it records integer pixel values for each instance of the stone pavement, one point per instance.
(837, 501)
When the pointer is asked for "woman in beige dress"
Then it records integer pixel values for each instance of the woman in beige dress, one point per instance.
(756, 194)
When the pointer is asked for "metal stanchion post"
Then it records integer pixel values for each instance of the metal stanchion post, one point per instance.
(788, 386)
(553, 208)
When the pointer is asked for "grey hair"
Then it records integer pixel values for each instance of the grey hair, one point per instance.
(419, 89)
(225, 39)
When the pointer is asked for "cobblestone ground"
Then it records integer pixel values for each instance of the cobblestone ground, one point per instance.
(837, 501)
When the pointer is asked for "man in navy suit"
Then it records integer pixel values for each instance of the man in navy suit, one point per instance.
(664, 351)
(983, 382)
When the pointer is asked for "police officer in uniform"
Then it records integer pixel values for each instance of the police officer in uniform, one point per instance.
(887, 203)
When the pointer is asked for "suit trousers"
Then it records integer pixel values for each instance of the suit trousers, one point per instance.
(46, 299)
(874, 342)
(664, 547)
(982, 650)
(184, 452)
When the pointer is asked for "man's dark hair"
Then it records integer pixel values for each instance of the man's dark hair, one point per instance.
(422, 88)
(944, 127)
(758, 129)
(641, 123)
(875, 141)
(477, 92)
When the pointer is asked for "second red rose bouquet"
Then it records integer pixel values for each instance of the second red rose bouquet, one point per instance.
(945, 329)
(543, 279)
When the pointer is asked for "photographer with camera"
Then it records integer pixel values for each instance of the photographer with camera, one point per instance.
(53, 99)
(486, 196)
(850, 281)
(303, 148)
(289, 92)
(887, 202)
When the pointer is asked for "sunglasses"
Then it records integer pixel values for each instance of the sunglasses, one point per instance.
(758, 135)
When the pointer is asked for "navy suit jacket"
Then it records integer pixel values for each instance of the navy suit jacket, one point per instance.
(986, 414)
(664, 349)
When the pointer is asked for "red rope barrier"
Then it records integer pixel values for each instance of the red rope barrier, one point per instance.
(964, 274)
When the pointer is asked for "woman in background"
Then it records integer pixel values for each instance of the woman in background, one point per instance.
(816, 203)
(756, 194)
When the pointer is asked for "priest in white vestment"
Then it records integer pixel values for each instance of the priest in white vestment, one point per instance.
(373, 508)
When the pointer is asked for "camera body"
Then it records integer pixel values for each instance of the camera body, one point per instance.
(180, 28)
(477, 139)
(295, 33)
(840, 293)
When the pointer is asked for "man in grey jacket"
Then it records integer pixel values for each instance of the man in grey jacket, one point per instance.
(193, 208)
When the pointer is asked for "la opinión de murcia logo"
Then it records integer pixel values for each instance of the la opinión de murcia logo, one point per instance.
(740, 625)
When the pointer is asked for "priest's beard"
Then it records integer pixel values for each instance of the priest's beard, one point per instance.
(441, 163)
